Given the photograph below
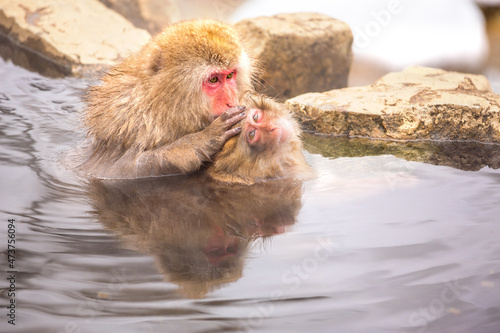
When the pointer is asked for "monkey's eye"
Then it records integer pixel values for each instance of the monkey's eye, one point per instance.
(213, 79)
(254, 138)
(257, 115)
(251, 135)
(230, 75)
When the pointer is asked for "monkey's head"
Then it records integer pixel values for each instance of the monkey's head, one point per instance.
(202, 61)
(268, 147)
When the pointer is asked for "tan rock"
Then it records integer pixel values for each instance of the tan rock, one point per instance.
(62, 37)
(151, 15)
(416, 104)
(300, 52)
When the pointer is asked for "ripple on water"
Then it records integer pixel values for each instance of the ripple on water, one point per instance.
(374, 243)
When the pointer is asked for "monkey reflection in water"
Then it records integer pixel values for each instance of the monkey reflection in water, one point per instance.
(198, 227)
(197, 230)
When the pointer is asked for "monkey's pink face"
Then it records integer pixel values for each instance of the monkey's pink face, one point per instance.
(222, 90)
(263, 130)
(221, 248)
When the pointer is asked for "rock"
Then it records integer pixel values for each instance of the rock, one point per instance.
(396, 34)
(488, 3)
(151, 15)
(417, 104)
(301, 52)
(58, 37)
(492, 15)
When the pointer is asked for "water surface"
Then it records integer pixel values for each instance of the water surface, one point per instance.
(398, 241)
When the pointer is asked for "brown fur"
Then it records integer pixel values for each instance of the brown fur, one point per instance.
(237, 162)
(148, 115)
(175, 219)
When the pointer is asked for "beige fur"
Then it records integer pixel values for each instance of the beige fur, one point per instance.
(154, 98)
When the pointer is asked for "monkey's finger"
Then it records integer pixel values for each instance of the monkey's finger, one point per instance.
(232, 132)
(233, 120)
(231, 112)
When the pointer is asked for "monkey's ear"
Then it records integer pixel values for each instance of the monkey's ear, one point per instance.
(155, 62)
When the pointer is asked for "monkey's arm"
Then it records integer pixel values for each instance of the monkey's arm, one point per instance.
(187, 154)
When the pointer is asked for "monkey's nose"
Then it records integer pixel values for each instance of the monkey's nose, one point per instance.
(271, 128)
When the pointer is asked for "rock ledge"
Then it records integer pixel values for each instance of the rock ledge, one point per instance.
(59, 38)
(417, 104)
(300, 52)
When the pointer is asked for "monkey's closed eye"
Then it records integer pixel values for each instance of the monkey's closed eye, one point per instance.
(213, 79)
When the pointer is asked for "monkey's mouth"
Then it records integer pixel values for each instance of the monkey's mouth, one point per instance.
(286, 130)
(221, 250)
(284, 136)
(279, 134)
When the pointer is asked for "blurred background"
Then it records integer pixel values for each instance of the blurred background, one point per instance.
(389, 35)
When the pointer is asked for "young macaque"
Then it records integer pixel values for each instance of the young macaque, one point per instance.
(268, 147)
(170, 107)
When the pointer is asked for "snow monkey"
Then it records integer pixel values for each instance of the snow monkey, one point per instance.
(269, 147)
(169, 108)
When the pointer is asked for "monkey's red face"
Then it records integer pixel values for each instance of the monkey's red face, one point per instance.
(222, 90)
(264, 130)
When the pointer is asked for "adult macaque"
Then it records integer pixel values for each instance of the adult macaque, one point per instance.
(169, 108)
(268, 147)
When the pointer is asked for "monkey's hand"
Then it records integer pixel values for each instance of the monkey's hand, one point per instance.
(187, 154)
(219, 131)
